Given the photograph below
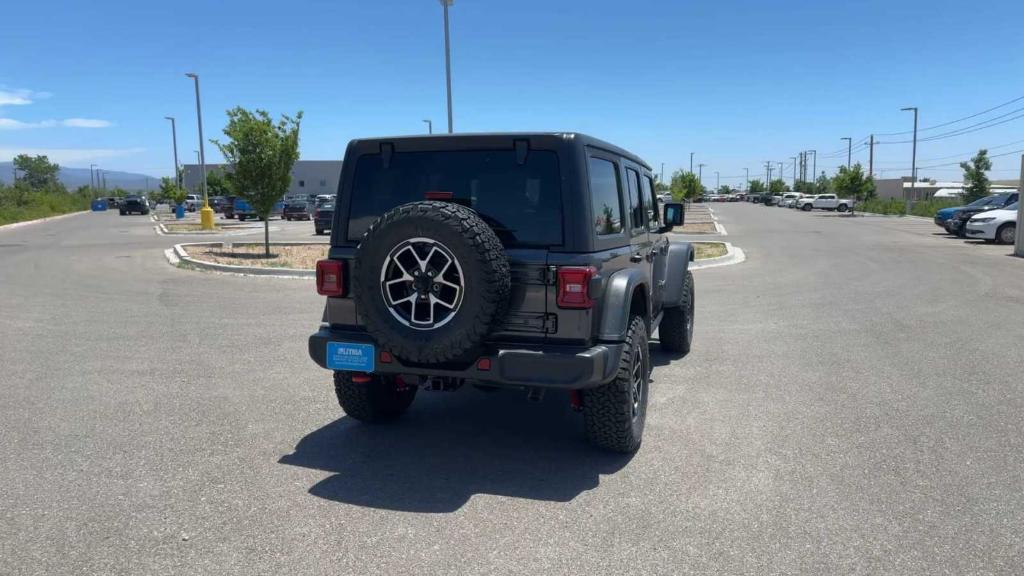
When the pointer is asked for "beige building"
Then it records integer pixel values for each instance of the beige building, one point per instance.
(902, 188)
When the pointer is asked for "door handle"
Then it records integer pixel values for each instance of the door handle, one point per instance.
(636, 257)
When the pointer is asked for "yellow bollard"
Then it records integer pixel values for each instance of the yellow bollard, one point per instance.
(206, 218)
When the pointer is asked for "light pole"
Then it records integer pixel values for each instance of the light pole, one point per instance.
(448, 60)
(814, 168)
(748, 178)
(700, 175)
(92, 183)
(174, 141)
(206, 213)
(661, 178)
(849, 150)
(913, 157)
(430, 126)
(782, 173)
(793, 158)
(691, 162)
(718, 181)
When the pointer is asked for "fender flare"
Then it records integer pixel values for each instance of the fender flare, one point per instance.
(680, 254)
(616, 302)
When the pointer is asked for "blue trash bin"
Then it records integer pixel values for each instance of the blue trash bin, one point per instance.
(179, 212)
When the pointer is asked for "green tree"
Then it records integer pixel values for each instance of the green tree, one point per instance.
(852, 183)
(777, 186)
(261, 154)
(755, 187)
(976, 183)
(37, 172)
(723, 189)
(169, 190)
(823, 184)
(685, 185)
(218, 183)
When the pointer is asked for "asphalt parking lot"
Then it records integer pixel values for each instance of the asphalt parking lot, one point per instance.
(853, 403)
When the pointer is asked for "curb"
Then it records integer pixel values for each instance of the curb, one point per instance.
(162, 230)
(14, 225)
(178, 257)
(733, 255)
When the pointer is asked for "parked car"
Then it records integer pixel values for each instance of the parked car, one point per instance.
(999, 225)
(297, 209)
(113, 202)
(217, 204)
(956, 224)
(227, 208)
(323, 216)
(788, 199)
(243, 210)
(134, 204)
(193, 202)
(991, 202)
(449, 283)
(825, 202)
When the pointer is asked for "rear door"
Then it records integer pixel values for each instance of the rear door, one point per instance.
(642, 255)
(659, 243)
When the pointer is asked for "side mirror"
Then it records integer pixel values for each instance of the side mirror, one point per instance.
(674, 215)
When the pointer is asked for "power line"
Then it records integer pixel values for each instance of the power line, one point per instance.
(967, 129)
(958, 163)
(975, 115)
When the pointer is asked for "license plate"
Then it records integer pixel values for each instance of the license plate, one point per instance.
(351, 357)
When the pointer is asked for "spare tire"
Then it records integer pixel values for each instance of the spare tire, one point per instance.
(430, 279)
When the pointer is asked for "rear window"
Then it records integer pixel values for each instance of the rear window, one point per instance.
(521, 202)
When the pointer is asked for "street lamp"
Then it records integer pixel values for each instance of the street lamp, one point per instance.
(448, 60)
(691, 162)
(206, 213)
(92, 184)
(174, 140)
(748, 179)
(718, 181)
(700, 174)
(430, 126)
(849, 149)
(793, 158)
(814, 168)
(913, 157)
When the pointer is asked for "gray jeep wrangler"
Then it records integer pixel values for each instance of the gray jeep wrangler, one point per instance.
(531, 261)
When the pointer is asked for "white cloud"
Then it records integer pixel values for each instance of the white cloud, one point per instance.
(20, 97)
(85, 123)
(72, 155)
(12, 124)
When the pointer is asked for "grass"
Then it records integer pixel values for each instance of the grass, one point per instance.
(299, 257)
(705, 250)
(696, 228)
(926, 208)
(35, 205)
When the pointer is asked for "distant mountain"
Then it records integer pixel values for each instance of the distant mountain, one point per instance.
(75, 177)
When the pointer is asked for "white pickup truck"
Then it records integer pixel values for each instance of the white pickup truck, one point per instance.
(824, 202)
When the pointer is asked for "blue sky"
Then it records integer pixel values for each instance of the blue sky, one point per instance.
(737, 82)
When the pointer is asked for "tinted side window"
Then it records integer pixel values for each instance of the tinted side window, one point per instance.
(650, 201)
(636, 212)
(604, 197)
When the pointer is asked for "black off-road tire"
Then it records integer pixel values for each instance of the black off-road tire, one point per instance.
(608, 411)
(382, 398)
(485, 285)
(676, 329)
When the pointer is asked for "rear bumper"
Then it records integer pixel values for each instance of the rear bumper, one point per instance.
(568, 367)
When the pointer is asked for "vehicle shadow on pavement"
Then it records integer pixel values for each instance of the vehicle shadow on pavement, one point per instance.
(451, 446)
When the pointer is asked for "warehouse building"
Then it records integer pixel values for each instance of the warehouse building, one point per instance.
(308, 177)
(903, 188)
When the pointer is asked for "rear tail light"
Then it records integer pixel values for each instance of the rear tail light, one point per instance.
(438, 195)
(330, 278)
(574, 286)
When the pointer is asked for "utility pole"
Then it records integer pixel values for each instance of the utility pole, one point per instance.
(718, 181)
(691, 162)
(748, 178)
(92, 181)
(205, 213)
(871, 157)
(814, 169)
(700, 175)
(174, 140)
(662, 177)
(782, 173)
(794, 171)
(1018, 247)
(849, 150)
(448, 60)
(767, 173)
(913, 158)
